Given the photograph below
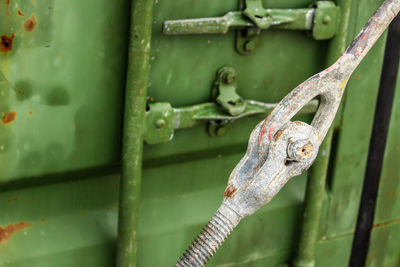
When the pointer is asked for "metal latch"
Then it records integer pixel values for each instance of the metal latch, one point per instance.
(224, 92)
(227, 106)
(321, 19)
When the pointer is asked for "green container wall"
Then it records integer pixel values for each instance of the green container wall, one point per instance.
(59, 157)
(385, 248)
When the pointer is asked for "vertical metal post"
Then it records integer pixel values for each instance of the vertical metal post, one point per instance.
(315, 190)
(135, 107)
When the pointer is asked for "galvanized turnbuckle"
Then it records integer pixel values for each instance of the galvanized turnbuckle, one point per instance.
(280, 149)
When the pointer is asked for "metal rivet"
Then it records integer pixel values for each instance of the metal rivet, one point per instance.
(326, 20)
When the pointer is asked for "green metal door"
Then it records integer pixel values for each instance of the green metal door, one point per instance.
(62, 82)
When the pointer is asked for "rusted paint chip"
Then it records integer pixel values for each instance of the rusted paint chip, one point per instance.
(12, 199)
(230, 190)
(9, 117)
(278, 134)
(30, 23)
(6, 43)
(9, 230)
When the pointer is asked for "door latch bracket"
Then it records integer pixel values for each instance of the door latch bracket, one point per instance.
(321, 19)
(227, 106)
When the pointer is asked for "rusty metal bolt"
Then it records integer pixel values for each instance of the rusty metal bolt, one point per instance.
(229, 77)
(248, 46)
(299, 150)
(160, 123)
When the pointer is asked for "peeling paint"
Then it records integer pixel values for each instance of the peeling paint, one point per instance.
(7, 231)
(9, 117)
(30, 23)
(6, 43)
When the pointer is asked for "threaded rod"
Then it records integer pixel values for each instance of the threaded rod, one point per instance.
(209, 240)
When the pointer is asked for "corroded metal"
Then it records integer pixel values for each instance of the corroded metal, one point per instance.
(267, 166)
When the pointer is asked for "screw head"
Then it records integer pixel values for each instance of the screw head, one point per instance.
(160, 123)
(299, 150)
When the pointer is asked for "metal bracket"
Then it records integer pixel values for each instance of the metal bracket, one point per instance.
(226, 107)
(321, 19)
(162, 119)
(224, 92)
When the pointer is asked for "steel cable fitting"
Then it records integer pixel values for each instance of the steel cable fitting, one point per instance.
(280, 149)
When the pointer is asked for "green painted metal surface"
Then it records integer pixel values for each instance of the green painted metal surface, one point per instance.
(59, 166)
(384, 248)
(64, 79)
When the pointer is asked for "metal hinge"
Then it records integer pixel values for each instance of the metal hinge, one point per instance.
(321, 19)
(162, 119)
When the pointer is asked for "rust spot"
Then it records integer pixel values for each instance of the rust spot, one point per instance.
(306, 150)
(9, 230)
(6, 43)
(385, 223)
(30, 24)
(19, 92)
(230, 190)
(83, 213)
(12, 199)
(356, 76)
(42, 220)
(9, 117)
(20, 13)
(30, 112)
(278, 134)
(8, 9)
(151, 99)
